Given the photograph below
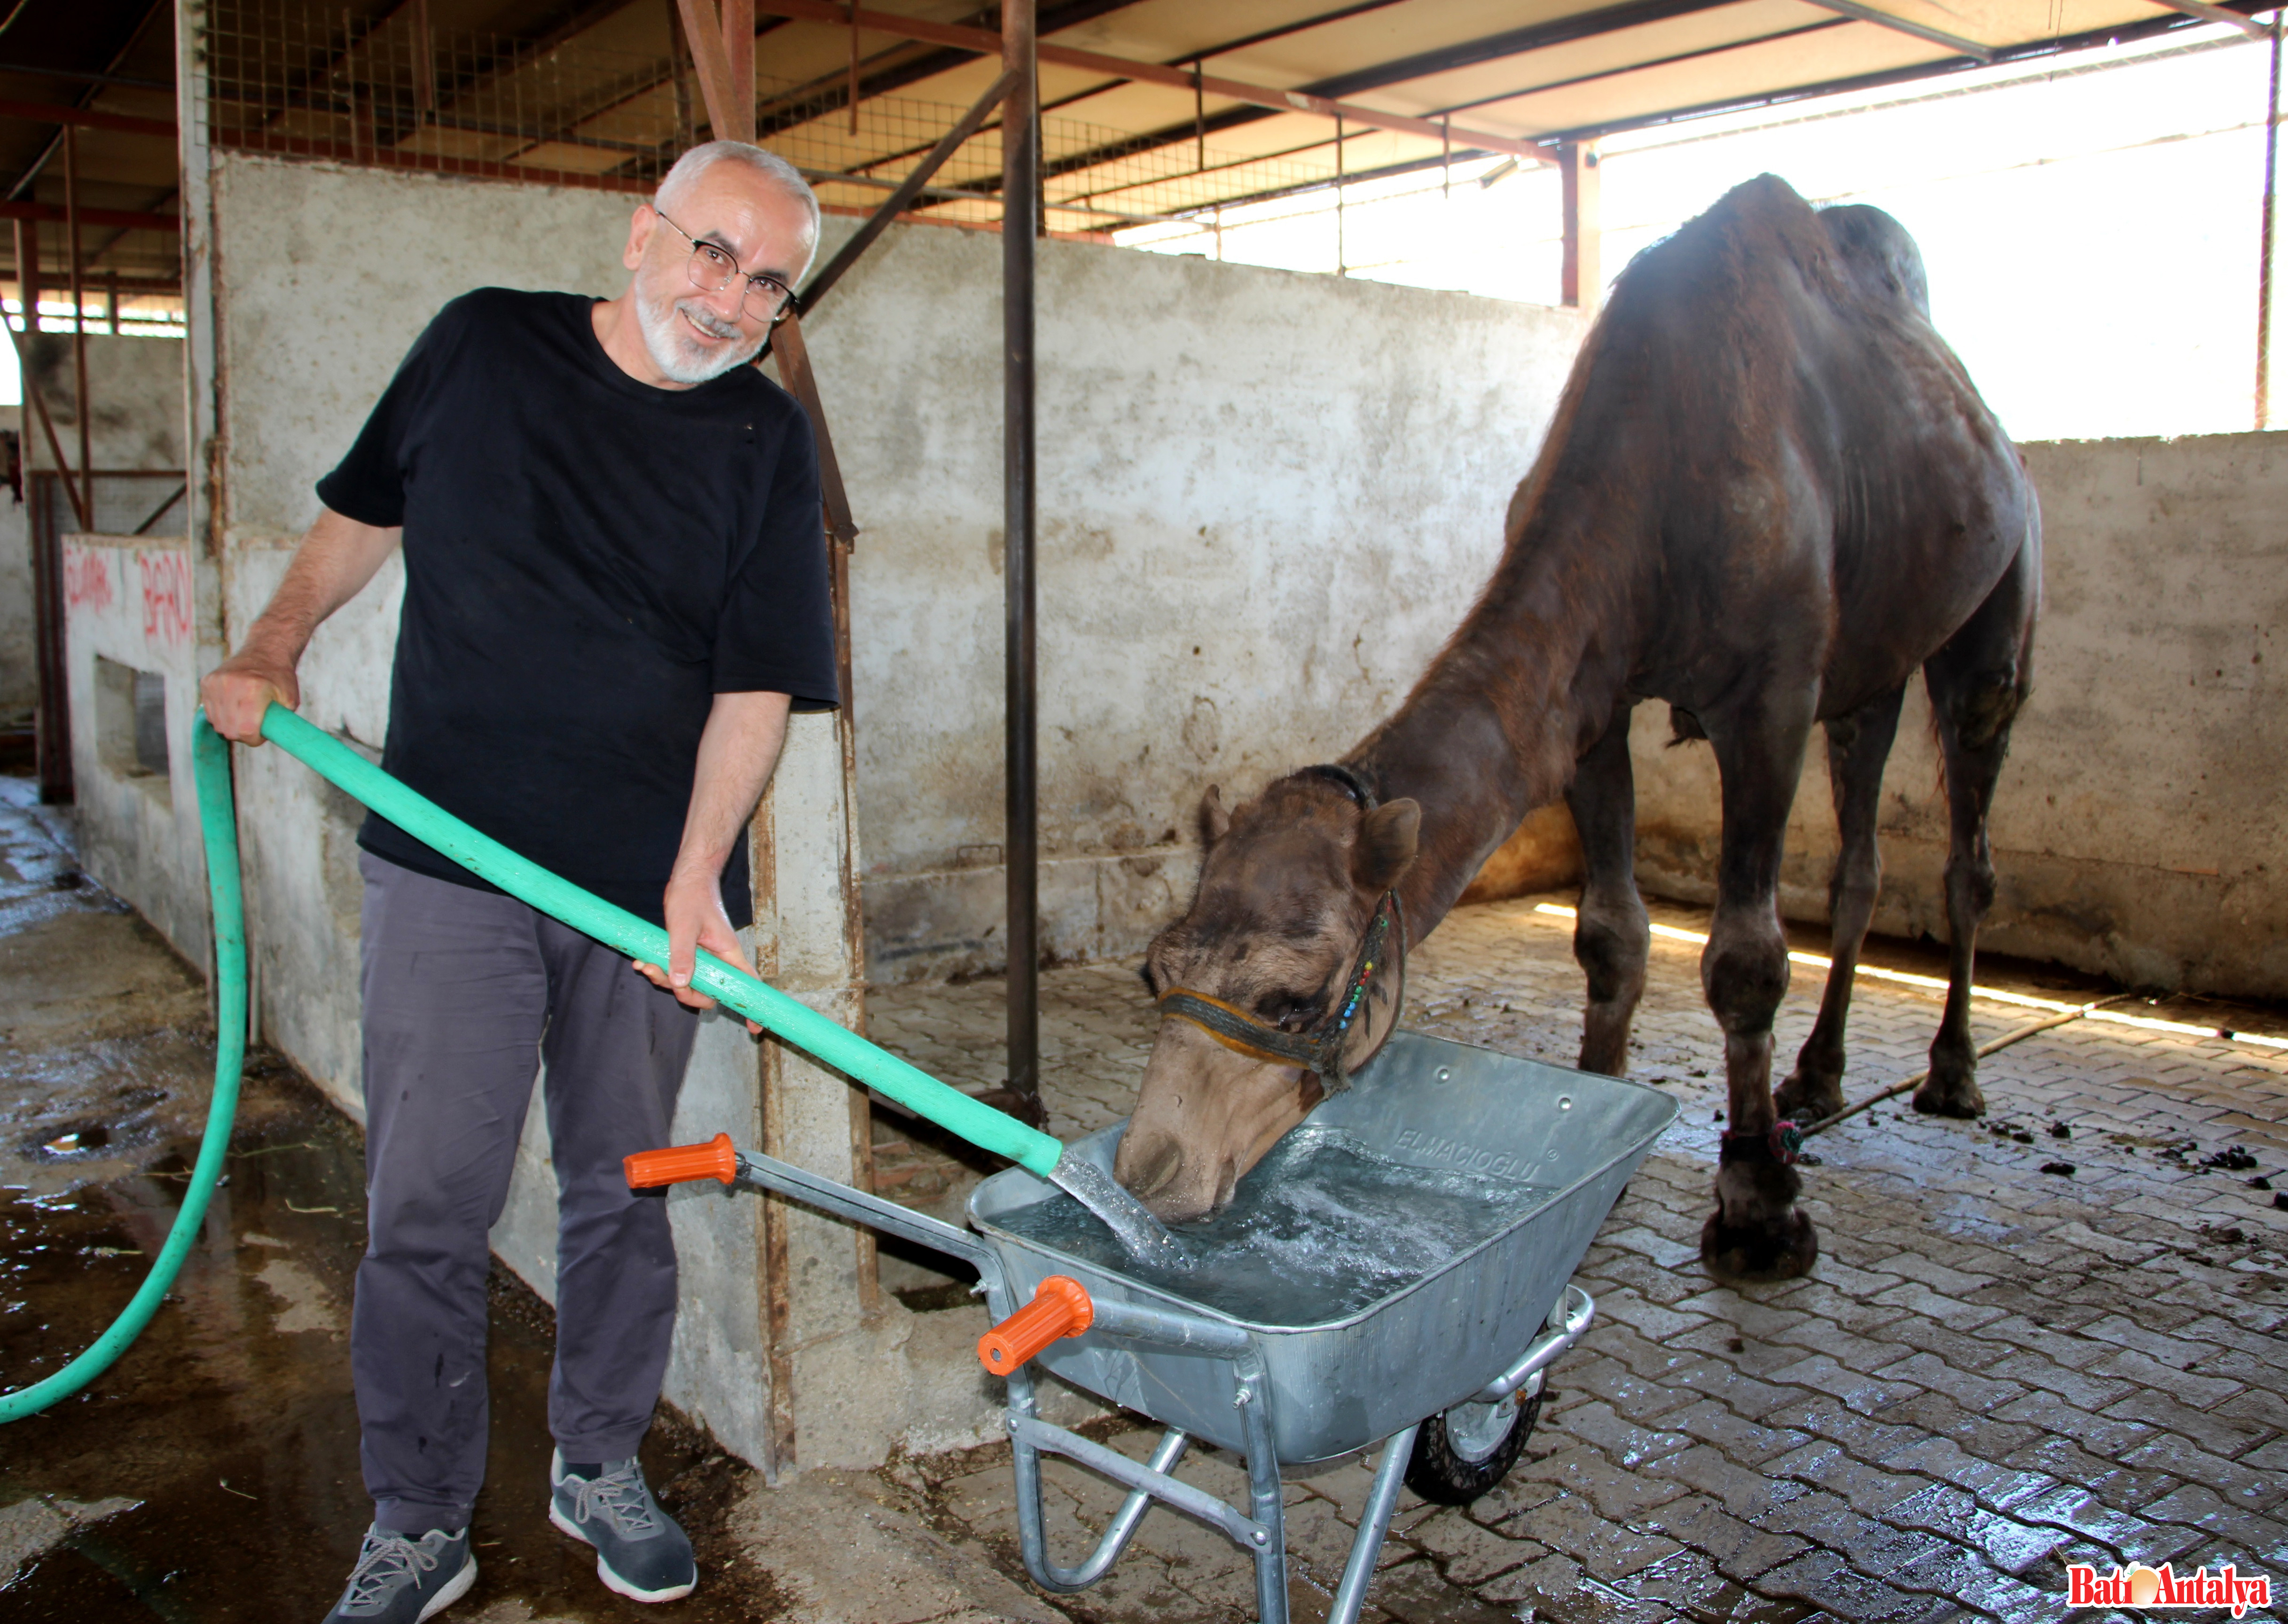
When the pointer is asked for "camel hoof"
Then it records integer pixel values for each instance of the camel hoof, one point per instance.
(1808, 1098)
(1749, 1255)
(1951, 1093)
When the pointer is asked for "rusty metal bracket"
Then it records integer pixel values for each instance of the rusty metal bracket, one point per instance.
(849, 254)
(47, 424)
(794, 366)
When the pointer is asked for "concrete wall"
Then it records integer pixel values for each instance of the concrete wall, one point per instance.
(2137, 832)
(128, 611)
(1265, 499)
(137, 386)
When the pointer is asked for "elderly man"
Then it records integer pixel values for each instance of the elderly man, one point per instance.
(615, 592)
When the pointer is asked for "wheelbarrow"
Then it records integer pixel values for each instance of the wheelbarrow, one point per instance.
(1444, 1371)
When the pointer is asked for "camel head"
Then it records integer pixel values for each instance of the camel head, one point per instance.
(1254, 981)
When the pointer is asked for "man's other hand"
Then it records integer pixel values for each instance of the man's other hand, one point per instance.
(696, 919)
(332, 565)
(238, 692)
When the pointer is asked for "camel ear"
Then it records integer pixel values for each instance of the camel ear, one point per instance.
(1386, 845)
(1215, 822)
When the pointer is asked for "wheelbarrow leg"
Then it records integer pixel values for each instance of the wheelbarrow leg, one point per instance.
(1032, 1533)
(1374, 1523)
(1267, 1496)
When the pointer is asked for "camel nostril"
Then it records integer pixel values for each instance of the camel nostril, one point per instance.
(1226, 1182)
(1146, 1168)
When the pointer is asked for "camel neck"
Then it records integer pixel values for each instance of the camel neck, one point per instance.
(1530, 682)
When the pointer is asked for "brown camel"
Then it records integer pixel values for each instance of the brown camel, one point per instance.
(1769, 494)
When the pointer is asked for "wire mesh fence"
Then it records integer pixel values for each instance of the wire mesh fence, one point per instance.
(613, 107)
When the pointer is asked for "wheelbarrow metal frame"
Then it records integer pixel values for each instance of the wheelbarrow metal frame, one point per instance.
(1261, 1531)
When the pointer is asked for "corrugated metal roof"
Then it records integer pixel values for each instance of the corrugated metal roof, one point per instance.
(560, 90)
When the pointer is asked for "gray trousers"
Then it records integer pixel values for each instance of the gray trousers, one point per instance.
(467, 991)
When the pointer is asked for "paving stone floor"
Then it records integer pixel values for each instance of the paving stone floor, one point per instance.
(1994, 1371)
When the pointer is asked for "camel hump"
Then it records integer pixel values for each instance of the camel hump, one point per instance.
(1879, 255)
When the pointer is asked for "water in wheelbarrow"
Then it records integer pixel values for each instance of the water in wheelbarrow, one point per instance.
(1324, 1226)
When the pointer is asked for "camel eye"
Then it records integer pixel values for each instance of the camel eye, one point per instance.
(1290, 1014)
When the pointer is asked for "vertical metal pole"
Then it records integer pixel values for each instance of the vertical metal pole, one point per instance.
(349, 78)
(1199, 117)
(854, 67)
(687, 134)
(1020, 213)
(739, 45)
(1580, 277)
(111, 299)
(425, 65)
(52, 722)
(80, 406)
(28, 293)
(2264, 266)
(1342, 249)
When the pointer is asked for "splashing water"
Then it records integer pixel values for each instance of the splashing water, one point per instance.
(1324, 1226)
(1141, 1236)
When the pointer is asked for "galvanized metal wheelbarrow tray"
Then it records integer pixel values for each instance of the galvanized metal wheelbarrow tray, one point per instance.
(1471, 1338)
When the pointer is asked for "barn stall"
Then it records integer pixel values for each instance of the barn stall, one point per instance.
(1263, 499)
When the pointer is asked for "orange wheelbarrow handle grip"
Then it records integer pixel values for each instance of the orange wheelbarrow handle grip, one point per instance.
(679, 1163)
(1060, 1308)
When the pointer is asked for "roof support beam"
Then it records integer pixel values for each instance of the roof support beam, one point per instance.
(87, 118)
(982, 42)
(908, 189)
(1516, 41)
(2217, 13)
(19, 209)
(703, 26)
(1916, 74)
(1935, 37)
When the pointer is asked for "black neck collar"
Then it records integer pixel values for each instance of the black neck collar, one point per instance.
(1346, 779)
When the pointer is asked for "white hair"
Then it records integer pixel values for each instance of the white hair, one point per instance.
(679, 179)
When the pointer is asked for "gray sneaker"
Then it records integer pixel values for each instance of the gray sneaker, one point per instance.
(402, 1580)
(640, 1552)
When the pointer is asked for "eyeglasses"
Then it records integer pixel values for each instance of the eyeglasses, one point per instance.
(712, 270)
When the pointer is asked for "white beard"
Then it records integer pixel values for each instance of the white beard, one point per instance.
(676, 353)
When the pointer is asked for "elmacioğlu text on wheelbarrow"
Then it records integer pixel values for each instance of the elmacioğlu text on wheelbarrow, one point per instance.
(1443, 1372)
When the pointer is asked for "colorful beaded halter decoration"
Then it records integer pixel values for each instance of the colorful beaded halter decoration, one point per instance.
(1381, 955)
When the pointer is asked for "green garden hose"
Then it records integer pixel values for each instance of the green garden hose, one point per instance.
(527, 881)
(211, 766)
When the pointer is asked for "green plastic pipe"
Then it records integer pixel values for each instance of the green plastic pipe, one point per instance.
(211, 766)
(590, 914)
(486, 858)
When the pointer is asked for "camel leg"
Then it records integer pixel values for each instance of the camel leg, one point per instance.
(1757, 1232)
(1976, 683)
(1612, 935)
(1858, 747)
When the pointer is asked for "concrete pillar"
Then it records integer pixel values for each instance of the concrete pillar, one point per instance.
(822, 1328)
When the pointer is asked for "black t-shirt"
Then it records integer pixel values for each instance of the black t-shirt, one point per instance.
(588, 561)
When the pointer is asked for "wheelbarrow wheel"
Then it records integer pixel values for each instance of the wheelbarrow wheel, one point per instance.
(1462, 1454)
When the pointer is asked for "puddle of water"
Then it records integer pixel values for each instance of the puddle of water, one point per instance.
(232, 1423)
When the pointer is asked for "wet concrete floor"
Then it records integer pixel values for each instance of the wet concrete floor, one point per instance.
(212, 1473)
